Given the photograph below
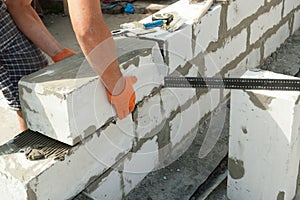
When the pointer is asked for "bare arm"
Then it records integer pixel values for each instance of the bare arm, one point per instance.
(96, 42)
(31, 25)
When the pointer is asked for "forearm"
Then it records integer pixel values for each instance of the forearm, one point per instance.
(30, 24)
(96, 42)
(104, 61)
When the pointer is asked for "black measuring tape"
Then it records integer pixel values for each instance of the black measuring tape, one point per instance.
(232, 83)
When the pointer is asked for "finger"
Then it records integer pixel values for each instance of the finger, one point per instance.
(132, 103)
(131, 107)
(122, 112)
(133, 80)
(120, 115)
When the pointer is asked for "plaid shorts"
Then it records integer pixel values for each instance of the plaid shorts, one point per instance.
(18, 57)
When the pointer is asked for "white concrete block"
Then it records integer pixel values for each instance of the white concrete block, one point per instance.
(296, 25)
(178, 46)
(204, 35)
(263, 142)
(249, 62)
(215, 61)
(264, 22)
(149, 75)
(239, 10)
(52, 179)
(276, 40)
(149, 117)
(117, 183)
(67, 101)
(289, 5)
(109, 187)
(252, 60)
(140, 163)
(183, 123)
(172, 98)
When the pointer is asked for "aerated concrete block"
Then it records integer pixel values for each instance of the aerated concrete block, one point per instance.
(296, 25)
(264, 22)
(22, 179)
(276, 40)
(263, 142)
(215, 61)
(67, 102)
(251, 61)
(182, 45)
(289, 6)
(177, 47)
(124, 176)
(203, 36)
(182, 124)
(239, 10)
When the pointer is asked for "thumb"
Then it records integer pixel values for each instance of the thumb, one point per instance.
(132, 79)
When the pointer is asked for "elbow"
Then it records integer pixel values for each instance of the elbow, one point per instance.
(87, 38)
(91, 33)
(83, 33)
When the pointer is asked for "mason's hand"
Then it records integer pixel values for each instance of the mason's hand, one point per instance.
(65, 53)
(125, 101)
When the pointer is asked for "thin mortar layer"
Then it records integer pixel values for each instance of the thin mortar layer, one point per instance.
(224, 34)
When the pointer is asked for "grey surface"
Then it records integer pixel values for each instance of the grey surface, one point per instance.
(286, 60)
(219, 193)
(181, 178)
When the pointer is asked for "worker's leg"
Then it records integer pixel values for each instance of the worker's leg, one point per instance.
(32, 26)
(22, 123)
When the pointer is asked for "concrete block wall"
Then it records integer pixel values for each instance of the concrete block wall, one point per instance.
(52, 98)
(52, 179)
(263, 142)
(57, 101)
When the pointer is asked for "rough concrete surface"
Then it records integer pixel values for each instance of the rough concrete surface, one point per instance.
(180, 179)
(285, 60)
(59, 25)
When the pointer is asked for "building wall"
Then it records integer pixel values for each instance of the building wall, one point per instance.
(227, 41)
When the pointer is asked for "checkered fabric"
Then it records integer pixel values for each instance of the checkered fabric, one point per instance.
(18, 57)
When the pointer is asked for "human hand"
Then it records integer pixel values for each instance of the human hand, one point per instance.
(124, 102)
(65, 53)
